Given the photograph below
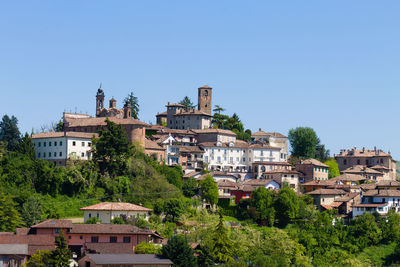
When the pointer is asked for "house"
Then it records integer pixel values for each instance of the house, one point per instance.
(59, 147)
(324, 197)
(273, 139)
(380, 201)
(387, 185)
(215, 135)
(191, 157)
(139, 260)
(261, 167)
(154, 150)
(368, 173)
(375, 159)
(313, 169)
(219, 176)
(289, 177)
(225, 187)
(161, 118)
(106, 211)
(242, 192)
(346, 202)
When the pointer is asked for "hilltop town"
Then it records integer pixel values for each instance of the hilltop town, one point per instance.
(194, 188)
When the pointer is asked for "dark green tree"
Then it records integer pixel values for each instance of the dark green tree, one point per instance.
(390, 227)
(179, 252)
(118, 220)
(209, 190)
(286, 206)
(112, 149)
(366, 231)
(218, 109)
(303, 141)
(9, 132)
(321, 153)
(190, 187)
(9, 216)
(262, 200)
(93, 220)
(173, 208)
(26, 147)
(32, 211)
(187, 103)
(59, 126)
(134, 104)
(222, 247)
(61, 255)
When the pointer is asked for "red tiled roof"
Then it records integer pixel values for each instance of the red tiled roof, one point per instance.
(149, 144)
(314, 162)
(101, 122)
(116, 206)
(215, 131)
(54, 223)
(360, 169)
(64, 134)
(382, 193)
(108, 228)
(105, 248)
(327, 192)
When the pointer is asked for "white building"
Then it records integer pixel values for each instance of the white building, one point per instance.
(380, 201)
(106, 211)
(59, 147)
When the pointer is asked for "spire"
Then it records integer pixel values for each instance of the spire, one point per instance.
(100, 85)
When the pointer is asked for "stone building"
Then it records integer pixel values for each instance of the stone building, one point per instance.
(312, 169)
(273, 139)
(374, 159)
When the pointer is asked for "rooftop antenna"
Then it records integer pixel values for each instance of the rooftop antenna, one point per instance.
(100, 84)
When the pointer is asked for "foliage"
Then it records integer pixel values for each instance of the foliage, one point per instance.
(93, 220)
(286, 206)
(61, 255)
(26, 147)
(59, 126)
(179, 252)
(147, 248)
(9, 132)
(32, 211)
(333, 168)
(190, 187)
(9, 216)
(262, 206)
(187, 103)
(365, 231)
(40, 259)
(218, 109)
(209, 190)
(134, 104)
(173, 209)
(231, 123)
(321, 153)
(112, 149)
(222, 248)
(390, 227)
(118, 220)
(303, 141)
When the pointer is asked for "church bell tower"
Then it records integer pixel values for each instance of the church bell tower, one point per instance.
(205, 94)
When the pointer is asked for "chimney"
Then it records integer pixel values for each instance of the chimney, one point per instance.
(363, 149)
(259, 129)
(374, 148)
(168, 103)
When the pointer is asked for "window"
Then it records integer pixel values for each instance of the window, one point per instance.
(57, 231)
(80, 237)
(219, 159)
(49, 143)
(82, 154)
(55, 154)
(39, 144)
(94, 239)
(113, 239)
(262, 153)
(73, 143)
(358, 162)
(344, 162)
(206, 159)
(83, 143)
(60, 143)
(49, 154)
(127, 239)
(44, 155)
(44, 144)
(270, 153)
(69, 237)
(55, 143)
(38, 155)
(89, 144)
(244, 159)
(60, 154)
(231, 159)
(90, 215)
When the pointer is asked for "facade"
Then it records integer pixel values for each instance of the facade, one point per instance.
(215, 135)
(380, 201)
(261, 167)
(107, 211)
(368, 173)
(313, 169)
(59, 147)
(112, 110)
(326, 196)
(289, 177)
(154, 150)
(161, 118)
(273, 139)
(375, 159)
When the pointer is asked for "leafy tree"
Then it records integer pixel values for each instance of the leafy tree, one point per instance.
(333, 168)
(147, 248)
(9, 132)
(133, 101)
(262, 202)
(187, 103)
(40, 259)
(26, 147)
(59, 126)
(390, 227)
(9, 216)
(205, 256)
(112, 149)
(303, 141)
(179, 252)
(32, 211)
(218, 109)
(93, 220)
(61, 255)
(173, 208)
(321, 153)
(286, 206)
(365, 231)
(118, 220)
(190, 187)
(3, 148)
(173, 174)
(209, 190)
(222, 247)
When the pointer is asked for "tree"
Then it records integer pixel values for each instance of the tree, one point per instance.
(118, 220)
(321, 153)
(9, 132)
(179, 252)
(333, 168)
(187, 103)
(147, 248)
(209, 190)
(93, 220)
(391, 227)
(112, 149)
(190, 187)
(262, 202)
(133, 101)
(173, 208)
(366, 231)
(218, 109)
(59, 126)
(40, 259)
(222, 247)
(286, 206)
(26, 147)
(61, 255)
(303, 141)
(32, 211)
(9, 216)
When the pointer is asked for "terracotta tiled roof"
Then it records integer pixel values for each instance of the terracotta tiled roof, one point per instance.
(380, 167)
(320, 182)
(347, 197)
(176, 131)
(105, 248)
(368, 186)
(175, 105)
(283, 171)
(34, 242)
(216, 174)
(54, 223)
(191, 174)
(101, 122)
(116, 206)
(223, 183)
(271, 163)
(362, 153)
(205, 87)
(346, 177)
(332, 205)
(261, 146)
(64, 134)
(274, 134)
(245, 188)
(388, 183)
(192, 112)
(327, 192)
(382, 193)
(357, 169)
(214, 131)
(314, 162)
(236, 144)
(258, 182)
(190, 149)
(370, 205)
(108, 228)
(149, 144)
(163, 114)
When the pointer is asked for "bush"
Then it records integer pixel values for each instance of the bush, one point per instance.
(117, 220)
(93, 220)
(147, 248)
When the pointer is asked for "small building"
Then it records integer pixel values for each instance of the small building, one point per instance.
(273, 139)
(380, 201)
(368, 173)
(106, 211)
(313, 169)
(325, 196)
(124, 260)
(154, 150)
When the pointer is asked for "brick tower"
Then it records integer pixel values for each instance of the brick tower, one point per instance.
(205, 94)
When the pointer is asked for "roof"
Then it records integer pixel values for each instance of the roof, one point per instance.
(162, 114)
(368, 186)
(327, 192)
(347, 197)
(362, 153)
(346, 177)
(263, 146)
(332, 205)
(116, 206)
(108, 228)
(236, 144)
(192, 112)
(274, 134)
(283, 163)
(314, 162)
(214, 131)
(34, 242)
(117, 248)
(175, 105)
(149, 144)
(101, 121)
(54, 223)
(216, 174)
(380, 167)
(370, 205)
(245, 188)
(205, 87)
(382, 193)
(320, 182)
(258, 182)
(16, 249)
(64, 134)
(388, 183)
(148, 259)
(190, 174)
(283, 171)
(360, 169)
(190, 149)
(224, 183)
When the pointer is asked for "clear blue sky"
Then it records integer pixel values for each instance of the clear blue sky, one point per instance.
(330, 65)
